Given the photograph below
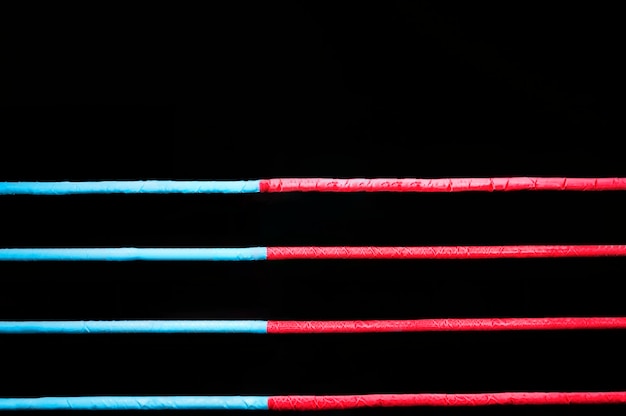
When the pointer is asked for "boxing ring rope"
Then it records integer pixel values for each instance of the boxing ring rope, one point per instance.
(310, 253)
(304, 403)
(316, 185)
(310, 327)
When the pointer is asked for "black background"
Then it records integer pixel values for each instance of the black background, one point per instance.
(388, 89)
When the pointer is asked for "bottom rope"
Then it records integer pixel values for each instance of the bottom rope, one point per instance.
(311, 327)
(308, 402)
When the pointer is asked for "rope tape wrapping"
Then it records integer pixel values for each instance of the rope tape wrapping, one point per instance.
(301, 403)
(129, 187)
(442, 185)
(136, 327)
(137, 403)
(444, 252)
(133, 254)
(441, 325)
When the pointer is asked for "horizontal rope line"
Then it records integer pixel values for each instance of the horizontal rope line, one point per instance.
(316, 185)
(309, 253)
(311, 327)
(303, 403)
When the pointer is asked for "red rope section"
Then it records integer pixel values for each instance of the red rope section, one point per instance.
(480, 399)
(442, 185)
(444, 252)
(441, 325)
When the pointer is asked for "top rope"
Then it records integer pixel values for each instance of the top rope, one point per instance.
(315, 185)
